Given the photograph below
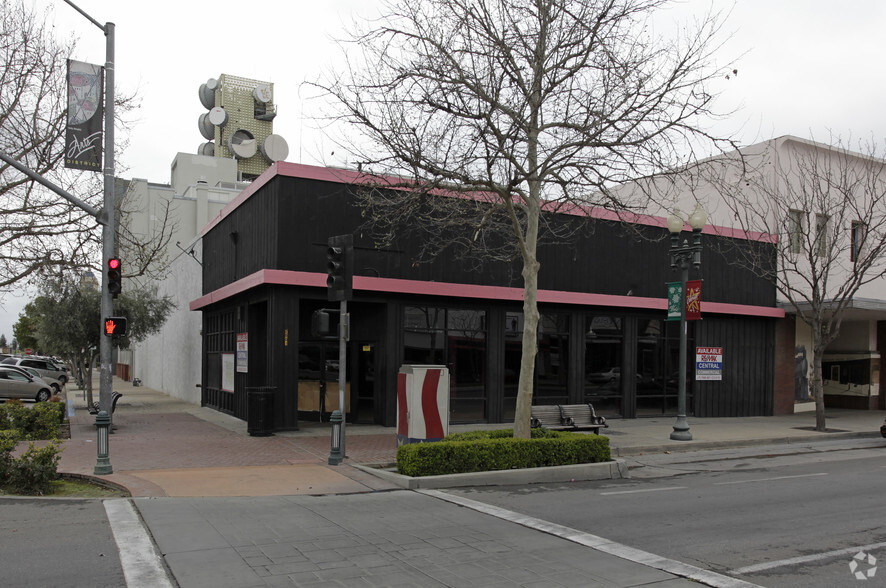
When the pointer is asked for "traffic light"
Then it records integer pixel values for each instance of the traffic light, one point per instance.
(339, 267)
(324, 323)
(115, 285)
(115, 326)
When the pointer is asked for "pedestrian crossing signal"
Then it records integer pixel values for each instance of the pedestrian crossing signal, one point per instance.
(115, 326)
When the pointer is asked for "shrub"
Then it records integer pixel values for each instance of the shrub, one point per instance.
(33, 472)
(41, 421)
(480, 451)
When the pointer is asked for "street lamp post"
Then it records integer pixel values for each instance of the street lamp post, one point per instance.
(682, 255)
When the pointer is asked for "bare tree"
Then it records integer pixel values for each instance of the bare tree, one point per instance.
(40, 231)
(519, 108)
(825, 209)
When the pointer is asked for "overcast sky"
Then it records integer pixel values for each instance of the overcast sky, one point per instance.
(809, 68)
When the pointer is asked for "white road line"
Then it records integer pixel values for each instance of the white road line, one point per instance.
(601, 544)
(807, 558)
(142, 565)
(643, 490)
(770, 479)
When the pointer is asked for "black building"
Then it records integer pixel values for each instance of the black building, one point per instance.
(603, 336)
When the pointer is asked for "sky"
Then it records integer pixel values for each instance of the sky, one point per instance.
(810, 68)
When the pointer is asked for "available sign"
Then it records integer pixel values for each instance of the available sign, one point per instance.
(708, 363)
(242, 353)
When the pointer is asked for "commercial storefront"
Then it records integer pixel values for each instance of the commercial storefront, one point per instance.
(603, 337)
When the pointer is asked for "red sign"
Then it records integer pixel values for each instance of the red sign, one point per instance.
(693, 300)
(29, 351)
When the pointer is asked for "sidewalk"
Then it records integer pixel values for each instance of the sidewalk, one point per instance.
(165, 447)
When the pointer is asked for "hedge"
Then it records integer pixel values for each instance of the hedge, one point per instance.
(479, 451)
(41, 421)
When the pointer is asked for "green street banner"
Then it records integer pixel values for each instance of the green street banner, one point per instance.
(675, 300)
(83, 136)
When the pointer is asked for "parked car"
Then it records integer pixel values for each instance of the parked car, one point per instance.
(52, 383)
(15, 384)
(45, 367)
(883, 429)
(611, 376)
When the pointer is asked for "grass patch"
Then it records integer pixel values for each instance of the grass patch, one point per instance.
(78, 488)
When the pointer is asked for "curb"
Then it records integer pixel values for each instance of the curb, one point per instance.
(609, 470)
(97, 481)
(691, 446)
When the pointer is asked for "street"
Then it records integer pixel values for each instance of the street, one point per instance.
(750, 518)
(778, 516)
(57, 542)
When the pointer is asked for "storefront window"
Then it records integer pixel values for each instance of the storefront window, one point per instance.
(551, 360)
(658, 355)
(604, 338)
(455, 338)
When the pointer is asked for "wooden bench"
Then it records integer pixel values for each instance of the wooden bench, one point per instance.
(567, 417)
(94, 409)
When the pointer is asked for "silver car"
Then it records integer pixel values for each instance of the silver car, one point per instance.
(46, 368)
(29, 371)
(15, 384)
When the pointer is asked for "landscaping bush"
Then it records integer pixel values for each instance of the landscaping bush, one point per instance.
(480, 451)
(32, 472)
(41, 421)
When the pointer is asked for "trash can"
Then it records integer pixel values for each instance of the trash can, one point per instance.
(260, 410)
(422, 403)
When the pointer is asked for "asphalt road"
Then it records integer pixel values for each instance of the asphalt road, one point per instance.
(57, 542)
(779, 521)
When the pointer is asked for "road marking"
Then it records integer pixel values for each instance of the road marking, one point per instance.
(770, 479)
(671, 566)
(806, 558)
(142, 565)
(644, 490)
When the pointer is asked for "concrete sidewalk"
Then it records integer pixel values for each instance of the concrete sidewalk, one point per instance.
(165, 447)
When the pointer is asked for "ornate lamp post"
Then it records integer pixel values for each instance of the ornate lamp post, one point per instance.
(682, 254)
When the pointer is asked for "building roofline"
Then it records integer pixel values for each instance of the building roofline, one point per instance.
(346, 176)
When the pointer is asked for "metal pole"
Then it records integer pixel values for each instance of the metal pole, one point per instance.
(681, 427)
(343, 337)
(108, 230)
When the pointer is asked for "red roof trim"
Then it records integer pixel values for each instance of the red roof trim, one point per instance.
(370, 284)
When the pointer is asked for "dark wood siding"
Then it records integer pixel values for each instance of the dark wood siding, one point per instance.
(243, 242)
(286, 224)
(747, 388)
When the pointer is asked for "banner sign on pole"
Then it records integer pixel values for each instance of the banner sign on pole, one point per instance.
(83, 137)
(675, 297)
(708, 363)
(693, 300)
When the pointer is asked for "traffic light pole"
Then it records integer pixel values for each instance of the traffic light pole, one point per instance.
(343, 336)
(106, 383)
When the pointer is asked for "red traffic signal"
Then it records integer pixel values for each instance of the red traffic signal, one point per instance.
(115, 326)
(115, 284)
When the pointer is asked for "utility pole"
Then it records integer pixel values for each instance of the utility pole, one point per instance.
(106, 382)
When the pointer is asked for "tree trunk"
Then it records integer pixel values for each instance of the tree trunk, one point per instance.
(818, 389)
(530, 347)
(531, 267)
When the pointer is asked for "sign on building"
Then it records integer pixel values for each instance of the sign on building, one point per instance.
(708, 363)
(242, 353)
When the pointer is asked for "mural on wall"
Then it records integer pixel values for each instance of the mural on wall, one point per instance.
(801, 374)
